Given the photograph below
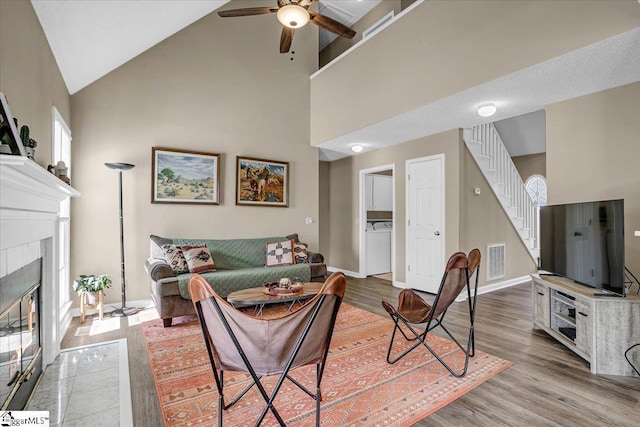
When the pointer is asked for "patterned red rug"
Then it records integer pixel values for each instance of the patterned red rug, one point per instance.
(359, 387)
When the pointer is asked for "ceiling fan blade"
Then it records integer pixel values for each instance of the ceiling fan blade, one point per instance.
(249, 11)
(331, 25)
(285, 39)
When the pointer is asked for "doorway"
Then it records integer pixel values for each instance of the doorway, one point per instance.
(425, 223)
(376, 221)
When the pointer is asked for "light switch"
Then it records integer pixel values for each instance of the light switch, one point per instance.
(637, 233)
(308, 220)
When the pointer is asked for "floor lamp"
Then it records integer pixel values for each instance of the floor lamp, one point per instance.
(124, 311)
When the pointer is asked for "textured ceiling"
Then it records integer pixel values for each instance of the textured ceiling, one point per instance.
(603, 65)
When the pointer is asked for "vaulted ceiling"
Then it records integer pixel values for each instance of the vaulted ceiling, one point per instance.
(91, 38)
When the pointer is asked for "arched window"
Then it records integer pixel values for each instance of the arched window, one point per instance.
(536, 186)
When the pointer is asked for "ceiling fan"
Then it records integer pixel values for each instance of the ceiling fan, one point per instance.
(293, 14)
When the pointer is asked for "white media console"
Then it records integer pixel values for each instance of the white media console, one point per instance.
(597, 328)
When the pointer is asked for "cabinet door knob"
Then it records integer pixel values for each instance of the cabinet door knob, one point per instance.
(437, 233)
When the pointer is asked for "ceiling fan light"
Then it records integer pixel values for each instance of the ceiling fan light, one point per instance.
(487, 110)
(293, 16)
(356, 148)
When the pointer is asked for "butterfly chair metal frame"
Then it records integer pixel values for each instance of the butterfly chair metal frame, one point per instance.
(433, 315)
(239, 360)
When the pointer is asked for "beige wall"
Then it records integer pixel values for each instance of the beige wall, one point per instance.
(483, 221)
(343, 249)
(341, 44)
(471, 221)
(217, 86)
(532, 164)
(29, 75)
(593, 154)
(428, 52)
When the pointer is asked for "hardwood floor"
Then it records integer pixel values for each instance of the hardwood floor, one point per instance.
(547, 385)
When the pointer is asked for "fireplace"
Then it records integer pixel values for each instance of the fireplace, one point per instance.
(20, 349)
(33, 318)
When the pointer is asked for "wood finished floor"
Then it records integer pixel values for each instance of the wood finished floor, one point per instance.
(548, 385)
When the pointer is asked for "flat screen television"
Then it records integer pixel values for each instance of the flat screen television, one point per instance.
(584, 242)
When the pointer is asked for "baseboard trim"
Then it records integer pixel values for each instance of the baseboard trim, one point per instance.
(347, 272)
(109, 307)
(496, 286)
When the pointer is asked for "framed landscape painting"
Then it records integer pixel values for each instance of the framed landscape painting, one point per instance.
(181, 176)
(262, 182)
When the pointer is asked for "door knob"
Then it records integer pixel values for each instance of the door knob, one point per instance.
(437, 233)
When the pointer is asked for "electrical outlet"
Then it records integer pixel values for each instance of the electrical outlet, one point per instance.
(637, 233)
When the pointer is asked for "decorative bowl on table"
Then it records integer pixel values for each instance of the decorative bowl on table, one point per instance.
(283, 287)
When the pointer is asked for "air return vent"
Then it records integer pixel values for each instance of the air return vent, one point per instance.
(495, 261)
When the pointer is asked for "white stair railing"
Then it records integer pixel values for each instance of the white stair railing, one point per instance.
(494, 161)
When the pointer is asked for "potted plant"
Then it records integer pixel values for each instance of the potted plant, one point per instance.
(88, 286)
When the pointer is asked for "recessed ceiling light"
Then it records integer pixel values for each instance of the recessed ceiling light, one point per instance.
(356, 148)
(487, 110)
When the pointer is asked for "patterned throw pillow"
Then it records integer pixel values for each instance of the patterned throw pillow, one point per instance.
(300, 254)
(198, 259)
(175, 258)
(279, 253)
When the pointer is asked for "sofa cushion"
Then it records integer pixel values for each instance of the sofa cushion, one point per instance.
(198, 259)
(174, 256)
(279, 253)
(300, 253)
(234, 254)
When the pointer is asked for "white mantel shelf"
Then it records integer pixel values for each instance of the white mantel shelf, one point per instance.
(30, 170)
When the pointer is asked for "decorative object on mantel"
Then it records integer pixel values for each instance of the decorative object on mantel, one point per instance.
(9, 131)
(61, 170)
(28, 143)
(124, 311)
(293, 14)
(262, 182)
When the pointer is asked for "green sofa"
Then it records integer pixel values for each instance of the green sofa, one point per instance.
(239, 265)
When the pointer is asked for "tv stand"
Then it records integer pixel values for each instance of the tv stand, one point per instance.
(594, 326)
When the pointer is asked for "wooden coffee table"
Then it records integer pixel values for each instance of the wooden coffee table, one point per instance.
(256, 298)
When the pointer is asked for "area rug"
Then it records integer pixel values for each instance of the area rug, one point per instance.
(359, 387)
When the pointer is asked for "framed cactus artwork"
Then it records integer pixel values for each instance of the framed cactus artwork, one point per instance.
(180, 176)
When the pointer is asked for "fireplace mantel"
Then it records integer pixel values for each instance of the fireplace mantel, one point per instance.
(30, 200)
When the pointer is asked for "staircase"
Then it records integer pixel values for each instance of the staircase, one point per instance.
(494, 161)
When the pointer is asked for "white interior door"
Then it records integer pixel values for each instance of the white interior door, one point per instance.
(425, 223)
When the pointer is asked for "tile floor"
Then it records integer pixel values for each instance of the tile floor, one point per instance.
(87, 386)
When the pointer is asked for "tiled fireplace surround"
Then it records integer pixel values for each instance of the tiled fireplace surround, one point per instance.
(29, 222)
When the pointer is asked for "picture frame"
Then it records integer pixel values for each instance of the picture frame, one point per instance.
(261, 182)
(184, 177)
(10, 142)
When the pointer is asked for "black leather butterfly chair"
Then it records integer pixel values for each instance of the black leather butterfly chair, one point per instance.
(239, 342)
(412, 309)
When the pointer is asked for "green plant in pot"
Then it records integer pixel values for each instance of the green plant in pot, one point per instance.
(89, 285)
(29, 144)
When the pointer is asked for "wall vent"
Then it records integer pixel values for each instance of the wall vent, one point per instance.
(496, 261)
